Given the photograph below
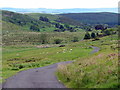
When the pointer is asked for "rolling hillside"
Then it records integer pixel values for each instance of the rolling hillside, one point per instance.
(33, 29)
(7, 26)
(94, 18)
(38, 21)
(32, 20)
(37, 15)
(25, 21)
(55, 17)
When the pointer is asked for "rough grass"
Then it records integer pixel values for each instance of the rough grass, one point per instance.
(99, 70)
(35, 38)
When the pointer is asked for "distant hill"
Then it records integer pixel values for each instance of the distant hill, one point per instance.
(94, 18)
(57, 11)
(37, 15)
(55, 17)
(81, 18)
(55, 22)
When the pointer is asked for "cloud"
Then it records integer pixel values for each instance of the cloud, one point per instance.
(59, 3)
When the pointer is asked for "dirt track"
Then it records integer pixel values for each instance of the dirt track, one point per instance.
(43, 77)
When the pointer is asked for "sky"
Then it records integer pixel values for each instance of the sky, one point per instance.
(59, 4)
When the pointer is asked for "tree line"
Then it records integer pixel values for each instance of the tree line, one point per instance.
(104, 31)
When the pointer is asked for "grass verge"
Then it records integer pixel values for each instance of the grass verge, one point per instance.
(99, 70)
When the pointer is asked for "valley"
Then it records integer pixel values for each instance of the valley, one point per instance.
(36, 40)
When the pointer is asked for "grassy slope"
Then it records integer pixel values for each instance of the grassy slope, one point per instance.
(9, 27)
(37, 15)
(13, 33)
(99, 70)
(32, 19)
(25, 21)
(55, 18)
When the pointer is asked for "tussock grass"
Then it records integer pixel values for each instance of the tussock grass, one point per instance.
(36, 38)
(99, 70)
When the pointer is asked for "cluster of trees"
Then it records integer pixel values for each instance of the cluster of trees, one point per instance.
(57, 25)
(101, 27)
(34, 28)
(89, 36)
(89, 27)
(45, 19)
(65, 27)
(104, 32)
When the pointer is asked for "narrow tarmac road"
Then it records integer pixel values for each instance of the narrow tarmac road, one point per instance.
(95, 49)
(43, 77)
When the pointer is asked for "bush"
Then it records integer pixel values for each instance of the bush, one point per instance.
(93, 35)
(75, 39)
(96, 38)
(34, 28)
(57, 41)
(21, 66)
(17, 66)
(45, 19)
(44, 38)
(87, 36)
(107, 32)
(100, 27)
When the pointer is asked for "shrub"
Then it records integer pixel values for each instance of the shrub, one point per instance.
(62, 46)
(17, 66)
(57, 41)
(45, 19)
(21, 66)
(14, 68)
(100, 27)
(34, 28)
(107, 32)
(75, 39)
(97, 34)
(93, 35)
(44, 38)
(87, 36)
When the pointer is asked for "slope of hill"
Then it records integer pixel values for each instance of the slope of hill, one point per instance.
(25, 21)
(94, 18)
(37, 15)
(38, 21)
(54, 17)
(9, 26)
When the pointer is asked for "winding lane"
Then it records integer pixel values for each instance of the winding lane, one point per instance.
(43, 77)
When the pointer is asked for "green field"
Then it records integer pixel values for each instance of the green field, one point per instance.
(19, 58)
